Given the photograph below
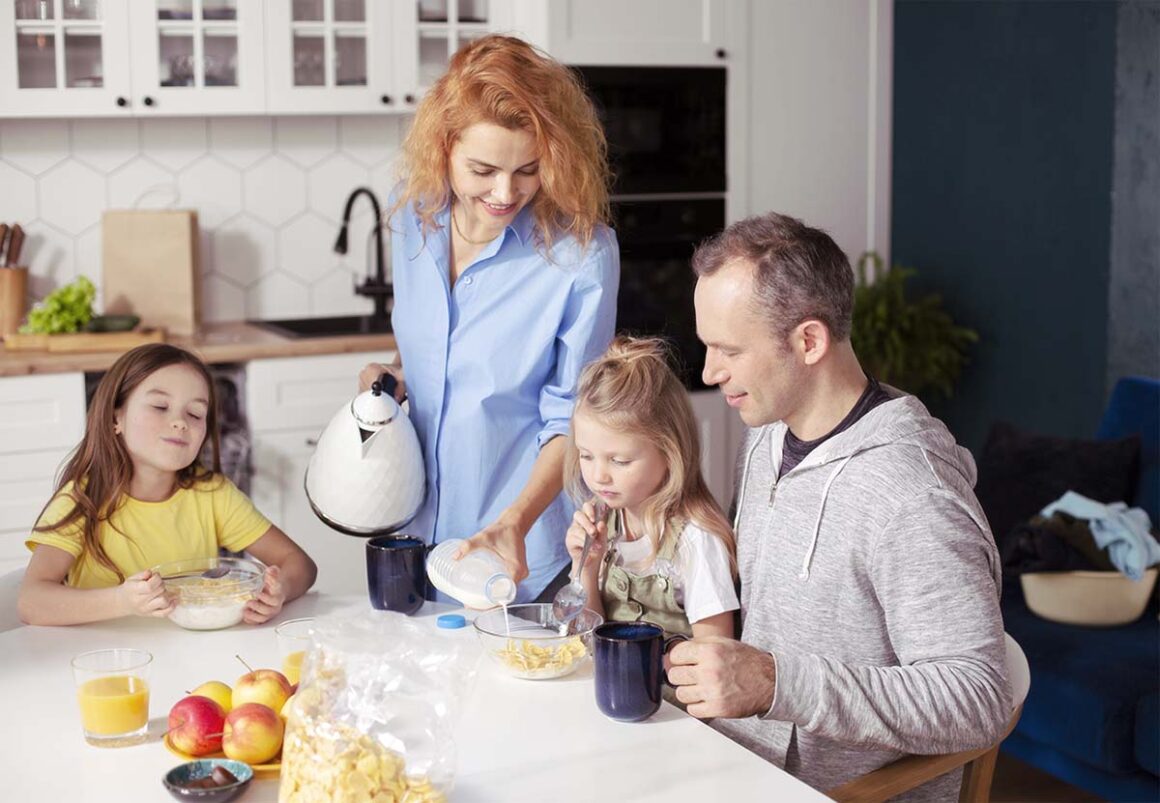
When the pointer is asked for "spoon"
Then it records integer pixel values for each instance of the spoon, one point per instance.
(571, 599)
(209, 574)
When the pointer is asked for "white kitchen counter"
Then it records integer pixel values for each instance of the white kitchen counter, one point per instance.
(508, 743)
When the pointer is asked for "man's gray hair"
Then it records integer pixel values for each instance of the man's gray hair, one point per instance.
(800, 272)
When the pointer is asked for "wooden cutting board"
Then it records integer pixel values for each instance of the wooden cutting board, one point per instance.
(84, 341)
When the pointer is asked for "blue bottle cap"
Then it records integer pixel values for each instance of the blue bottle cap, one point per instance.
(451, 621)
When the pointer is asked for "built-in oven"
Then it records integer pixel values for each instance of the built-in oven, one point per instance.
(657, 240)
(666, 138)
(665, 127)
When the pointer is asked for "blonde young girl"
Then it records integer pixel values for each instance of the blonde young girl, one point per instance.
(664, 553)
(135, 494)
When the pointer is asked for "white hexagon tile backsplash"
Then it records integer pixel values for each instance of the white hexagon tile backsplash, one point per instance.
(269, 193)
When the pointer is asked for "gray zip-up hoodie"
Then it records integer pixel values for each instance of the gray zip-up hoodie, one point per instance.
(870, 573)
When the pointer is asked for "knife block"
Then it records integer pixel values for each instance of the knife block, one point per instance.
(13, 299)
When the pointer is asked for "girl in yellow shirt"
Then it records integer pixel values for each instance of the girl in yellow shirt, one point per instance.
(135, 494)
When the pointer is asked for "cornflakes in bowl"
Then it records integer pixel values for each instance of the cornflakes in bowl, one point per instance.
(528, 642)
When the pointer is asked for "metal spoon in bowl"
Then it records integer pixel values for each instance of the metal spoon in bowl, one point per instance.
(572, 598)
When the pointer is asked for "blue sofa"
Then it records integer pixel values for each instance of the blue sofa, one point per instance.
(1092, 716)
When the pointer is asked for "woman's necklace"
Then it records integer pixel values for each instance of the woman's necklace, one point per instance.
(464, 237)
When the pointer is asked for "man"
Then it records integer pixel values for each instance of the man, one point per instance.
(869, 578)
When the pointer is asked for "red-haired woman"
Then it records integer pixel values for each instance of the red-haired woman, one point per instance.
(505, 278)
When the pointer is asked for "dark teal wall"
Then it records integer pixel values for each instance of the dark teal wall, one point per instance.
(1003, 133)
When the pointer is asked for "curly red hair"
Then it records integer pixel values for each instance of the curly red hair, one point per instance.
(507, 82)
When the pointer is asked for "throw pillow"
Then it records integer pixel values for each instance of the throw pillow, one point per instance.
(1021, 473)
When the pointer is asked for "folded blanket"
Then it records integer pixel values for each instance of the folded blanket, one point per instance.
(1124, 532)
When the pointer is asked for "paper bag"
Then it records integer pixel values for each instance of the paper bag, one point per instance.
(150, 267)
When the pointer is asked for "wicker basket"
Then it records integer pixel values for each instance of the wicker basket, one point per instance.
(1099, 599)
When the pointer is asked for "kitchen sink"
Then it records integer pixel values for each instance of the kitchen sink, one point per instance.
(327, 327)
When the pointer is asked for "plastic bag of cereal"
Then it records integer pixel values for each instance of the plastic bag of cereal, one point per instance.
(374, 716)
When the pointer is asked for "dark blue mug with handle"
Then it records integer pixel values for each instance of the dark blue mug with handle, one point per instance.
(397, 573)
(630, 669)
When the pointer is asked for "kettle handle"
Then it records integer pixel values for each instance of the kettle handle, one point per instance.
(386, 383)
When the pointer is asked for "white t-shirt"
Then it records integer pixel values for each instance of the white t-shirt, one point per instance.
(700, 573)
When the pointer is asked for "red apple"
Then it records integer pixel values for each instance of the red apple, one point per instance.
(196, 725)
(268, 687)
(253, 733)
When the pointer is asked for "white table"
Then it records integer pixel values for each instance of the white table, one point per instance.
(507, 741)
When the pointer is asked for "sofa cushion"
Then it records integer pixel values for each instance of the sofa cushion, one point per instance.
(1086, 683)
(1020, 473)
(1148, 733)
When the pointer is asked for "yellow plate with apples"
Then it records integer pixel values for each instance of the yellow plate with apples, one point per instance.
(269, 766)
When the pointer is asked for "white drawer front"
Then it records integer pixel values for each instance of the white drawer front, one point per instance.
(26, 483)
(302, 392)
(41, 412)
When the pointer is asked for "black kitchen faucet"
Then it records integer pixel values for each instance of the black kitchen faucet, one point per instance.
(374, 287)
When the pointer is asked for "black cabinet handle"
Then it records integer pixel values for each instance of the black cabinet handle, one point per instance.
(148, 101)
(409, 98)
(721, 53)
(122, 102)
(312, 442)
(386, 99)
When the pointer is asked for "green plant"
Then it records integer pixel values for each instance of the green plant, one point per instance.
(66, 309)
(913, 345)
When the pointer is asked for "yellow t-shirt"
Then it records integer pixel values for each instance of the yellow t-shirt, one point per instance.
(192, 523)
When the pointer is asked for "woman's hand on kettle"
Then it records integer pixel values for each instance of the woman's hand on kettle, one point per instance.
(585, 522)
(506, 539)
(371, 373)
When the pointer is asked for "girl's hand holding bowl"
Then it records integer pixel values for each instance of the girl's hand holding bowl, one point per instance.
(270, 599)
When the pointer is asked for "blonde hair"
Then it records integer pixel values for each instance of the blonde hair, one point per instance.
(633, 389)
(507, 82)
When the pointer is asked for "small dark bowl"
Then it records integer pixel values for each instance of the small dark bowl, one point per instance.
(112, 323)
(203, 768)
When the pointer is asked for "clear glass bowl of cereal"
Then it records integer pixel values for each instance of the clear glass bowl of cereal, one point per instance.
(526, 640)
(211, 593)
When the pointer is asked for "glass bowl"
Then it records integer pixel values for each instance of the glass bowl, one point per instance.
(211, 593)
(525, 640)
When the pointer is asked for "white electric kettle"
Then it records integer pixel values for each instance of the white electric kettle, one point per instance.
(366, 475)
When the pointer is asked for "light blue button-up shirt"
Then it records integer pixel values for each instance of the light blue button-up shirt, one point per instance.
(491, 366)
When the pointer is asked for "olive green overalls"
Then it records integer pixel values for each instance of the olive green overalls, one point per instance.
(629, 597)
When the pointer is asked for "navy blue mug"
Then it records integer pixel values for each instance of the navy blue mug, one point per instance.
(397, 573)
(630, 669)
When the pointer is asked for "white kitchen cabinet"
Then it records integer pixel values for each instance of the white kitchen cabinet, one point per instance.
(131, 57)
(333, 56)
(288, 403)
(41, 419)
(196, 56)
(640, 32)
(715, 425)
(63, 58)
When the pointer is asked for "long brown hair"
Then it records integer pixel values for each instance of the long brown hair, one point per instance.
(505, 81)
(633, 389)
(100, 467)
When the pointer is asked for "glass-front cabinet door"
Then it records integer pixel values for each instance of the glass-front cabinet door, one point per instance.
(64, 57)
(443, 26)
(197, 56)
(331, 56)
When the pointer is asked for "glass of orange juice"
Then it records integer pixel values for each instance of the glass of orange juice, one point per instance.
(113, 692)
(293, 644)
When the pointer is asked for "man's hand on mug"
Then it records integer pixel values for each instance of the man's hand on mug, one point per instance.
(371, 373)
(721, 677)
